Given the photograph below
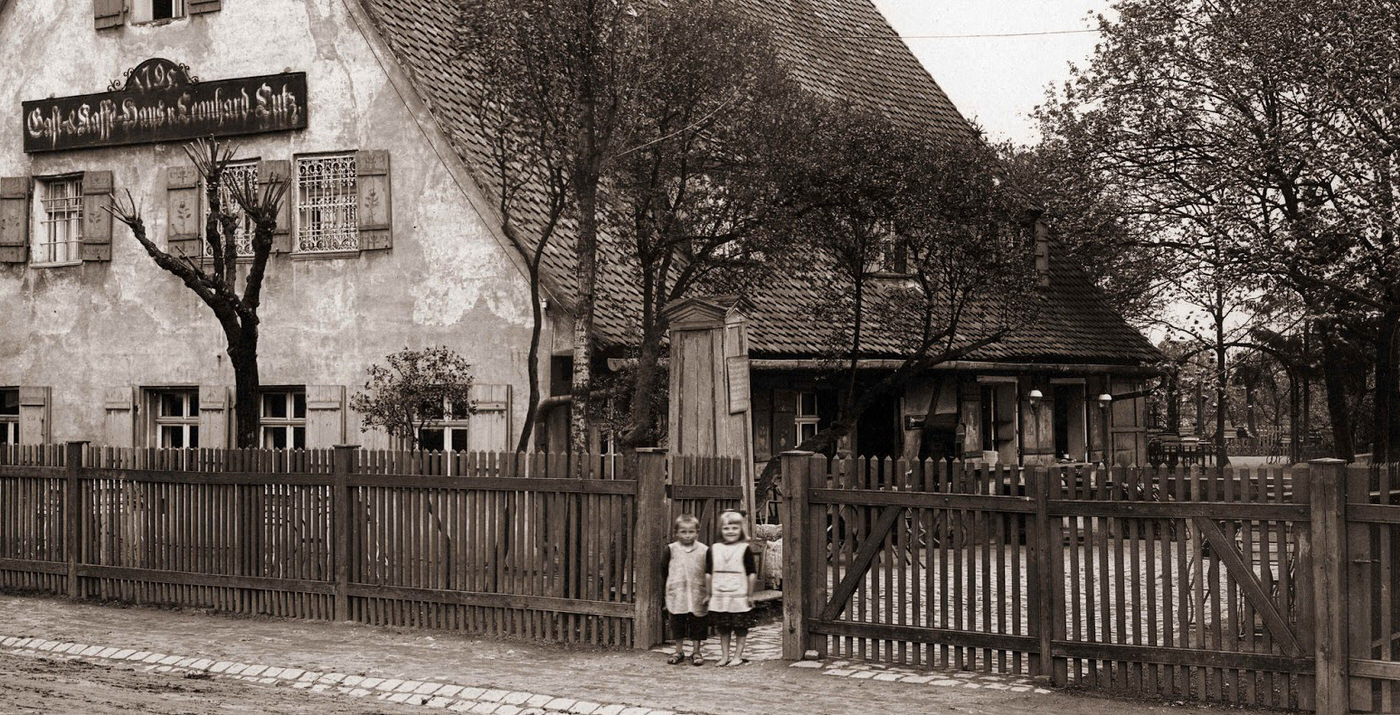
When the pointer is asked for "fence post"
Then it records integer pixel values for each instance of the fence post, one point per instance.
(73, 514)
(342, 465)
(796, 553)
(1360, 607)
(1048, 541)
(1329, 557)
(653, 521)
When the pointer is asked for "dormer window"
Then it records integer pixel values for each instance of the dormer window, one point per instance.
(156, 10)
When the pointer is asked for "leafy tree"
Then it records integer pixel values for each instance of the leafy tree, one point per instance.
(869, 191)
(692, 199)
(523, 165)
(1093, 227)
(561, 68)
(1266, 128)
(697, 109)
(413, 389)
(216, 279)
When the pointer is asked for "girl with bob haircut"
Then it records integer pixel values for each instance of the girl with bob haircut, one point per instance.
(730, 576)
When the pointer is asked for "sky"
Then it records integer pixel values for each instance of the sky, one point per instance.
(998, 81)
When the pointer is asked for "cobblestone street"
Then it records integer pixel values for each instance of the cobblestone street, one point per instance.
(104, 659)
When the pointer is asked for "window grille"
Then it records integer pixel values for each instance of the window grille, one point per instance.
(327, 196)
(60, 235)
(176, 418)
(283, 423)
(240, 174)
(9, 416)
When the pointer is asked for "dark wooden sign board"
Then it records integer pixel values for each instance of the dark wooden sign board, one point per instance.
(160, 102)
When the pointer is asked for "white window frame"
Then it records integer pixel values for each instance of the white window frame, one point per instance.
(243, 233)
(9, 423)
(455, 429)
(317, 197)
(290, 426)
(805, 420)
(143, 11)
(58, 221)
(186, 424)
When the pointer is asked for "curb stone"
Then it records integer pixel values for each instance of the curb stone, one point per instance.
(428, 694)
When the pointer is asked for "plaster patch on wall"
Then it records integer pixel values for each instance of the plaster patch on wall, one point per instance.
(462, 268)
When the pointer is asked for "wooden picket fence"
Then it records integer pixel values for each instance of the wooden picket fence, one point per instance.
(535, 546)
(705, 487)
(1229, 586)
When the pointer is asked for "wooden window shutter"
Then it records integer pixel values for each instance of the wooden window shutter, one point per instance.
(489, 429)
(120, 421)
(376, 200)
(215, 416)
(325, 416)
(269, 172)
(107, 14)
(14, 219)
(97, 216)
(199, 7)
(34, 415)
(184, 218)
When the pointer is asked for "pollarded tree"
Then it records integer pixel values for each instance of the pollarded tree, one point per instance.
(414, 389)
(214, 273)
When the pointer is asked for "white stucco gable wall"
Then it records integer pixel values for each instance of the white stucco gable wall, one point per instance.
(85, 330)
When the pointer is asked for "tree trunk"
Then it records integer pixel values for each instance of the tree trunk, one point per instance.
(586, 277)
(1334, 377)
(1173, 402)
(243, 355)
(1387, 391)
(532, 361)
(1222, 456)
(642, 432)
(850, 396)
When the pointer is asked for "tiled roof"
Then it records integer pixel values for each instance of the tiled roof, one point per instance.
(843, 49)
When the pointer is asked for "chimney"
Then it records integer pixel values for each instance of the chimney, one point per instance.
(1042, 252)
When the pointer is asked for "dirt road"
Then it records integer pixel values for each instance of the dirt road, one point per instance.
(47, 685)
(501, 675)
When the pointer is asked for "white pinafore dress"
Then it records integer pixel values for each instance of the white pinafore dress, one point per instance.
(685, 580)
(729, 581)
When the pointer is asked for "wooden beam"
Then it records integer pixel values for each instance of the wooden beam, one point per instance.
(796, 554)
(869, 548)
(1191, 657)
(935, 636)
(924, 500)
(1229, 554)
(496, 600)
(258, 583)
(28, 566)
(1329, 570)
(653, 519)
(1233, 511)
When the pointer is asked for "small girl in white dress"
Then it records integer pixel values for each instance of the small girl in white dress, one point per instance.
(730, 576)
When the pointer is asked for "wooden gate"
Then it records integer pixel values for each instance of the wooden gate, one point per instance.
(1190, 584)
(704, 487)
(1373, 550)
